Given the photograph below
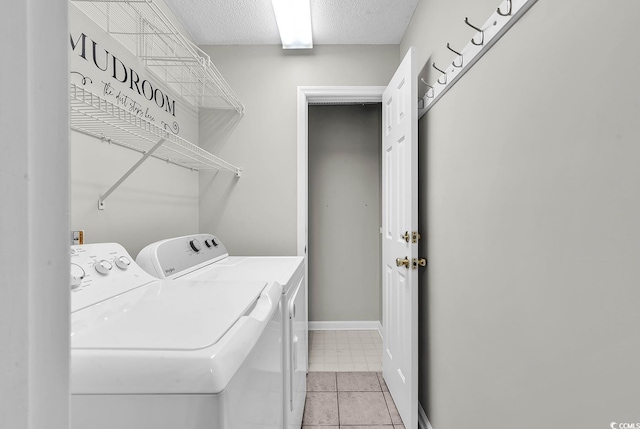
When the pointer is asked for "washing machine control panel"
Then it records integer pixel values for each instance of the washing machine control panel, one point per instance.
(177, 256)
(101, 271)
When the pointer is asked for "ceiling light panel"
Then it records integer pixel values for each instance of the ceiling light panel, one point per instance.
(294, 23)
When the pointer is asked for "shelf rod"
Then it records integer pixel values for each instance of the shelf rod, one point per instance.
(172, 59)
(128, 173)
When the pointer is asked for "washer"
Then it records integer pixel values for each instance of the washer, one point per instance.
(160, 354)
(204, 257)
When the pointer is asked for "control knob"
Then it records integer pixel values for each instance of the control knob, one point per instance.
(195, 245)
(211, 242)
(122, 262)
(103, 267)
(77, 274)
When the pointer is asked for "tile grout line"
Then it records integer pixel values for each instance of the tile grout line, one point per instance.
(337, 399)
(384, 397)
(389, 410)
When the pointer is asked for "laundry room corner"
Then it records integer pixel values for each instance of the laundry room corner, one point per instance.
(305, 214)
(256, 215)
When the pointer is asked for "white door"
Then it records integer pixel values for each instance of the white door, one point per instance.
(400, 216)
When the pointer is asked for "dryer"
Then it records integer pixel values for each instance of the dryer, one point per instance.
(205, 257)
(160, 354)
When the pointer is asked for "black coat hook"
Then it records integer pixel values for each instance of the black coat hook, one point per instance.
(458, 54)
(509, 9)
(443, 74)
(466, 20)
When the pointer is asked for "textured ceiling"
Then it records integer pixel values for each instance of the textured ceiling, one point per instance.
(252, 22)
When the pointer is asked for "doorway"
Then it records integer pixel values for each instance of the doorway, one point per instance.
(321, 95)
(344, 252)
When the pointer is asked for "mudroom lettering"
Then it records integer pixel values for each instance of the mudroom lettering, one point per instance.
(105, 61)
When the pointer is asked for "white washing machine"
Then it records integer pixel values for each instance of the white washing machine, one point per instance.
(160, 354)
(204, 257)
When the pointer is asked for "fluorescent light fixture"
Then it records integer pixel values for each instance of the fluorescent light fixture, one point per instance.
(294, 23)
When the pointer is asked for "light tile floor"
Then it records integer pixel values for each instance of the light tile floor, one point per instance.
(342, 400)
(345, 351)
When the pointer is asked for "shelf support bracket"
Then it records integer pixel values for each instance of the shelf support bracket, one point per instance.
(128, 173)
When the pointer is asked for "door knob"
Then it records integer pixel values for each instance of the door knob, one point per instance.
(406, 236)
(419, 262)
(401, 262)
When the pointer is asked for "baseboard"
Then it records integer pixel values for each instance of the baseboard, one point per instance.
(355, 325)
(423, 421)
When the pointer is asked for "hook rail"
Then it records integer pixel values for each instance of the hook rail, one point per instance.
(502, 19)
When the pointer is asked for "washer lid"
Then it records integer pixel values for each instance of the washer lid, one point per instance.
(165, 315)
(278, 268)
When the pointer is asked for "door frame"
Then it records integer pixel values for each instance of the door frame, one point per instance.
(319, 95)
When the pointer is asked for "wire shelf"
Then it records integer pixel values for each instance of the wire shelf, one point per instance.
(93, 115)
(142, 27)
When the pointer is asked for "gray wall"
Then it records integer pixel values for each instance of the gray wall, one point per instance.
(157, 201)
(529, 197)
(256, 214)
(344, 213)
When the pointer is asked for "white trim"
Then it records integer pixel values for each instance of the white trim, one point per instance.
(303, 189)
(423, 421)
(342, 94)
(354, 325)
(34, 252)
